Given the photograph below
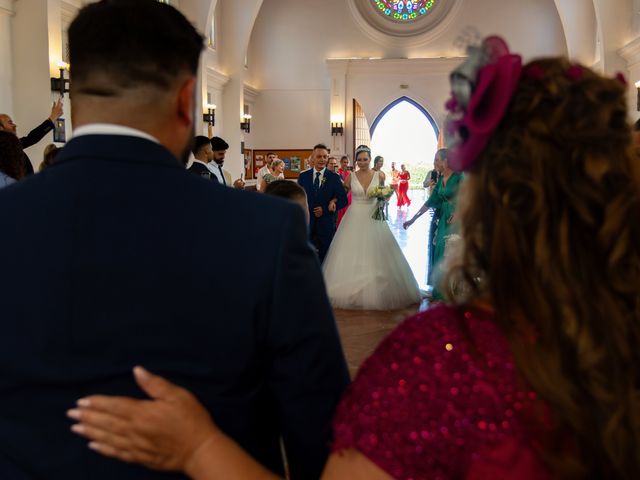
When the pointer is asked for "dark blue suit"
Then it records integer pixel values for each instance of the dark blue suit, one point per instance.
(323, 229)
(116, 256)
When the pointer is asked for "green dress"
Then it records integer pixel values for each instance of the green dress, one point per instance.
(444, 200)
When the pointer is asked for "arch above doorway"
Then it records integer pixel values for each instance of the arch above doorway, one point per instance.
(399, 100)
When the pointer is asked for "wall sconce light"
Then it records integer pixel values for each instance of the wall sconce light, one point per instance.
(638, 97)
(61, 84)
(245, 125)
(337, 128)
(210, 115)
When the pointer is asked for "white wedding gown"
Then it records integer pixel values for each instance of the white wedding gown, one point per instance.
(365, 268)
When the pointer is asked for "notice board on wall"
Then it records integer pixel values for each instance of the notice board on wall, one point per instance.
(295, 161)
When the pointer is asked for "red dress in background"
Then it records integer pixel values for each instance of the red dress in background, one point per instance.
(403, 188)
(344, 174)
(437, 402)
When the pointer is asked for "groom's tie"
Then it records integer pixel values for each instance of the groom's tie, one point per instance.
(224, 182)
(316, 182)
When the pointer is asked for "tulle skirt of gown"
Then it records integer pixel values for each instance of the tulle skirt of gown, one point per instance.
(365, 268)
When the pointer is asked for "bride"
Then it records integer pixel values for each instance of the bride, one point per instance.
(365, 268)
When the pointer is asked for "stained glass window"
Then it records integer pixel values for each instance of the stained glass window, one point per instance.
(403, 10)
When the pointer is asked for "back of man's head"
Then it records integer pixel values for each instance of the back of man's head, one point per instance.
(120, 45)
(199, 143)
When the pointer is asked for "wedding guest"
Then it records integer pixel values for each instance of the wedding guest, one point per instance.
(325, 195)
(289, 190)
(332, 164)
(344, 166)
(533, 371)
(266, 169)
(35, 135)
(202, 157)
(395, 179)
(218, 153)
(128, 284)
(51, 151)
(378, 163)
(276, 170)
(443, 200)
(403, 187)
(344, 173)
(11, 164)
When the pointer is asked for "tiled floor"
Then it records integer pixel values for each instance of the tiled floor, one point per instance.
(362, 331)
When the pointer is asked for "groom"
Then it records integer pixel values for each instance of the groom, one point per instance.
(325, 196)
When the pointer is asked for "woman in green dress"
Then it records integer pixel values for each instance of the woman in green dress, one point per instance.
(443, 200)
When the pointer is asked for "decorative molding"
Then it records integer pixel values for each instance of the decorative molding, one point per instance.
(250, 93)
(216, 80)
(6, 7)
(418, 33)
(398, 66)
(631, 52)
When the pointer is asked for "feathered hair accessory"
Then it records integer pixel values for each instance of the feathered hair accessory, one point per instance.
(481, 90)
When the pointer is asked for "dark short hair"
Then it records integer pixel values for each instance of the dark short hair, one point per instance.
(120, 44)
(322, 146)
(219, 144)
(199, 143)
(343, 157)
(285, 189)
(271, 153)
(636, 126)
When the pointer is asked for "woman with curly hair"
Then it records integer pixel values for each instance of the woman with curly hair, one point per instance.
(11, 165)
(532, 368)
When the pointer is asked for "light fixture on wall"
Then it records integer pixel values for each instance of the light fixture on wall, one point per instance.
(337, 128)
(61, 84)
(210, 115)
(245, 124)
(638, 95)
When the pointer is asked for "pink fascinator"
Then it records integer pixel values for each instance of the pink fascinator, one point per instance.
(482, 88)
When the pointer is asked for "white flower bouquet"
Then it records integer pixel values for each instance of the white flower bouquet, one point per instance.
(382, 193)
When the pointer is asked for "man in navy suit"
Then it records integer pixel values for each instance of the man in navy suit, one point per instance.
(325, 195)
(122, 281)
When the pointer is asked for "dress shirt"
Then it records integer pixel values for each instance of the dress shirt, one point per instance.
(322, 173)
(213, 168)
(6, 180)
(112, 129)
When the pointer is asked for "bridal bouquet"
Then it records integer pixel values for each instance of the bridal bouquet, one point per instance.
(382, 194)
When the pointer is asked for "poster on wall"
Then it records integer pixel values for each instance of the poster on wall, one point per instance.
(258, 162)
(248, 164)
(294, 160)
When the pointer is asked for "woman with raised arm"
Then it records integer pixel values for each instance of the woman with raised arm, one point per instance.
(532, 368)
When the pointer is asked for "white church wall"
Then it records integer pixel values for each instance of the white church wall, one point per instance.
(292, 40)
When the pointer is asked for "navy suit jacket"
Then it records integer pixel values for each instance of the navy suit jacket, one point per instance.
(330, 189)
(103, 255)
(32, 138)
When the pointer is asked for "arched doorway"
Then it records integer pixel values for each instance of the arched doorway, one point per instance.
(405, 133)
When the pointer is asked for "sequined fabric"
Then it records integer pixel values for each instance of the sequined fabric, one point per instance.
(440, 399)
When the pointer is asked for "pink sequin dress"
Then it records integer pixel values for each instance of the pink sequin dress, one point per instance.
(440, 399)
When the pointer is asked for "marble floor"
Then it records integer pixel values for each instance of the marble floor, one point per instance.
(362, 331)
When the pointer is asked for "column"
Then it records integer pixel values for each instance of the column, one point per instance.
(6, 57)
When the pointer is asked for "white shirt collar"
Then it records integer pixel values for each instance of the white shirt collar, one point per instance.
(112, 129)
(195, 160)
(321, 172)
